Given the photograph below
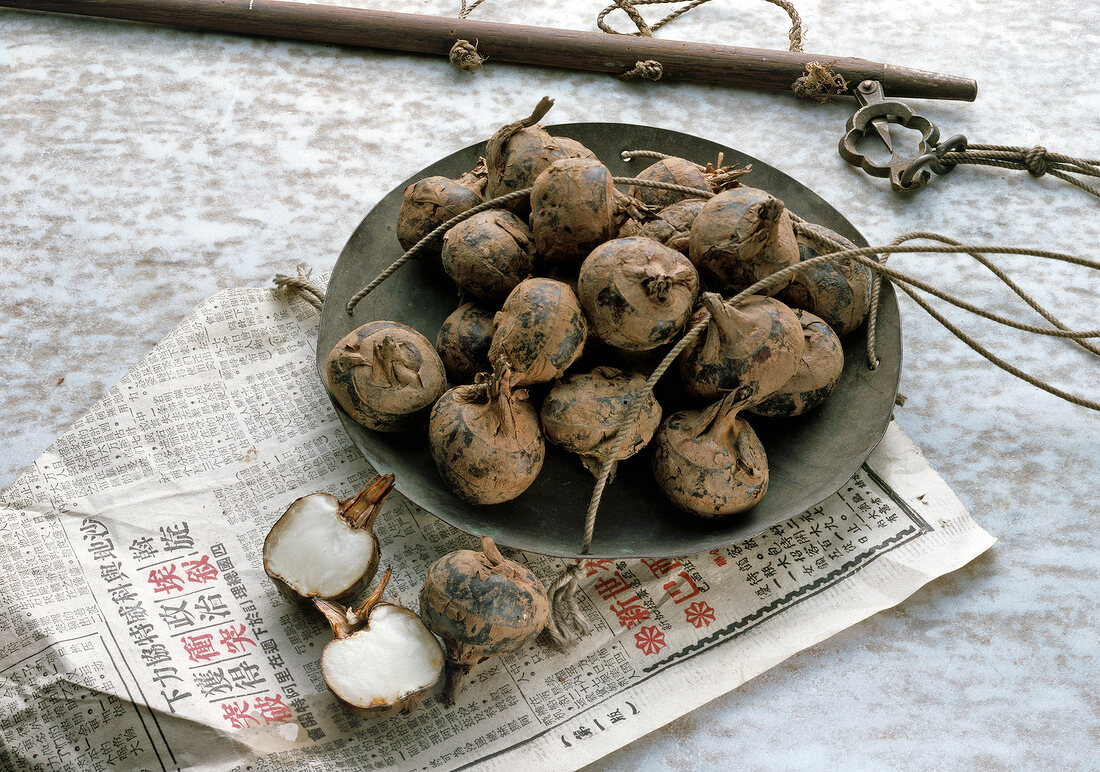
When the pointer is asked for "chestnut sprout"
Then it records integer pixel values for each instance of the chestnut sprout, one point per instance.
(740, 237)
(430, 202)
(754, 348)
(817, 375)
(574, 208)
(839, 293)
(519, 151)
(584, 412)
(540, 330)
(463, 341)
(672, 225)
(637, 293)
(671, 170)
(489, 254)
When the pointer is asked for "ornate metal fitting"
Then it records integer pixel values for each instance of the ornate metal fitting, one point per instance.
(876, 114)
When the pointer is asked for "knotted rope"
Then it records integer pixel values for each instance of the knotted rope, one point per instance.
(465, 57)
(1037, 161)
(629, 7)
(818, 83)
(302, 286)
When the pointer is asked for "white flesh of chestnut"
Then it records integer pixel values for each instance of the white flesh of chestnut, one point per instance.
(315, 550)
(393, 657)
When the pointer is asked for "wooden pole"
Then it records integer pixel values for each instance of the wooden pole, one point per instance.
(590, 51)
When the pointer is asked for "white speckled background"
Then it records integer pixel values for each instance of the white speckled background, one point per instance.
(143, 169)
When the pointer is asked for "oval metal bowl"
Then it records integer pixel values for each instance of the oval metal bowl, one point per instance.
(810, 457)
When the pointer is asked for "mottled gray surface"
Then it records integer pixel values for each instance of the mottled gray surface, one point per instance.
(143, 169)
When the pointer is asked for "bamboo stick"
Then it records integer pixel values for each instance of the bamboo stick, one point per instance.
(590, 51)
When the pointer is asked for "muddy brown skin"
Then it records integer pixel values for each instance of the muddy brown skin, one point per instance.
(518, 152)
(754, 348)
(673, 224)
(485, 440)
(674, 171)
(489, 254)
(839, 293)
(463, 342)
(385, 375)
(583, 414)
(526, 154)
(481, 605)
(429, 203)
(740, 237)
(817, 375)
(574, 208)
(637, 293)
(541, 331)
(710, 462)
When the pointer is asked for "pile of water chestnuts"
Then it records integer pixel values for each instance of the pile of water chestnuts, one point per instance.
(566, 299)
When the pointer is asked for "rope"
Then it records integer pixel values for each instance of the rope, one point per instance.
(302, 286)
(465, 10)
(465, 57)
(1037, 161)
(1004, 278)
(646, 30)
(650, 69)
(494, 203)
(819, 81)
(567, 623)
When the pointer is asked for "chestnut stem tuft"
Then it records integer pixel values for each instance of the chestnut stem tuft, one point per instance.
(363, 609)
(490, 550)
(362, 508)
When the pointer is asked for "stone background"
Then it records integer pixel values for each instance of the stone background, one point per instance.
(143, 169)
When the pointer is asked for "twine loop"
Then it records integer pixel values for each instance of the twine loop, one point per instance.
(646, 30)
(567, 623)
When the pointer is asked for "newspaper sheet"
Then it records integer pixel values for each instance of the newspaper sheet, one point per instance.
(138, 630)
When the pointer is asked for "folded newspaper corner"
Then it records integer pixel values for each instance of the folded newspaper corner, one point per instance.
(138, 629)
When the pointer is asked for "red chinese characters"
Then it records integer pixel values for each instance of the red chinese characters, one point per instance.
(273, 710)
(678, 593)
(234, 639)
(200, 571)
(236, 713)
(165, 579)
(629, 611)
(661, 566)
(200, 648)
